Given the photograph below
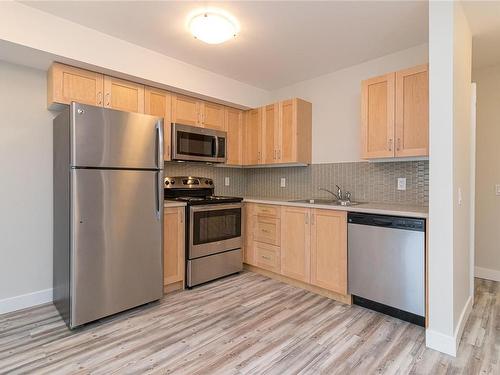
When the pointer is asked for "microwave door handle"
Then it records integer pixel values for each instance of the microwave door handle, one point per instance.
(216, 146)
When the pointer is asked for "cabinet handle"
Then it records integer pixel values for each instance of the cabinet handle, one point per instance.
(99, 98)
(258, 155)
(390, 144)
(307, 218)
(182, 218)
(107, 99)
(279, 154)
(168, 151)
(312, 219)
(266, 257)
(266, 231)
(399, 144)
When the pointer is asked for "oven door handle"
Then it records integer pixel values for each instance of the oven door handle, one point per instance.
(215, 207)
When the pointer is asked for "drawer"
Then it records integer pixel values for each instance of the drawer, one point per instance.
(267, 230)
(267, 210)
(267, 257)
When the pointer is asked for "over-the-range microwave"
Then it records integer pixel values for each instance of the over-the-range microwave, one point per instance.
(191, 143)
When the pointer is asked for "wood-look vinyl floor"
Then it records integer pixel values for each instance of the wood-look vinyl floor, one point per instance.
(245, 324)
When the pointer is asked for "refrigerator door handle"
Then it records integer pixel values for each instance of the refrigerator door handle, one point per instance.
(159, 144)
(158, 196)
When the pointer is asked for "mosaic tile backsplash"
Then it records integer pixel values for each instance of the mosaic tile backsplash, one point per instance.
(367, 181)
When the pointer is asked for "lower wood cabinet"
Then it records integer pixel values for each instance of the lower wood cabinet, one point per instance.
(311, 247)
(329, 250)
(295, 246)
(173, 248)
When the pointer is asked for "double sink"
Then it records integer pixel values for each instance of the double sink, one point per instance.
(331, 202)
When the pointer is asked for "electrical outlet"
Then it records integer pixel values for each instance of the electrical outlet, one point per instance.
(497, 189)
(283, 182)
(401, 183)
(226, 181)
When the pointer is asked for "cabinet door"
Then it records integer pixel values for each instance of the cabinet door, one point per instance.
(249, 250)
(158, 103)
(295, 243)
(270, 134)
(377, 117)
(185, 110)
(295, 131)
(234, 129)
(213, 116)
(412, 112)
(329, 250)
(173, 245)
(251, 150)
(123, 95)
(66, 84)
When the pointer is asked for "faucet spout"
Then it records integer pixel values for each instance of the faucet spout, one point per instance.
(331, 192)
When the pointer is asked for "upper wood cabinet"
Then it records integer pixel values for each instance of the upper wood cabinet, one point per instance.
(186, 110)
(173, 245)
(412, 112)
(158, 102)
(123, 95)
(377, 116)
(66, 84)
(270, 134)
(329, 250)
(213, 116)
(279, 133)
(295, 131)
(295, 243)
(252, 137)
(395, 114)
(234, 129)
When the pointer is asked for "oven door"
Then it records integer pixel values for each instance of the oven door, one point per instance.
(192, 143)
(214, 228)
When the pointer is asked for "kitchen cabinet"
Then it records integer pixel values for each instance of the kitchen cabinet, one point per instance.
(395, 114)
(186, 110)
(412, 112)
(158, 102)
(234, 129)
(270, 134)
(248, 222)
(123, 95)
(66, 84)
(267, 230)
(213, 116)
(295, 242)
(295, 132)
(173, 246)
(329, 250)
(267, 257)
(377, 116)
(252, 137)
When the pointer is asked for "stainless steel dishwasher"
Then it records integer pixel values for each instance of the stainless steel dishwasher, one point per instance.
(386, 257)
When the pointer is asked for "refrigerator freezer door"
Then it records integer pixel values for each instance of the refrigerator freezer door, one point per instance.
(106, 138)
(116, 241)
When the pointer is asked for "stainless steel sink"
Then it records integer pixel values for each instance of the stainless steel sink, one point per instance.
(325, 201)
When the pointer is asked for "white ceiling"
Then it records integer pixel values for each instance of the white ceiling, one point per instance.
(280, 42)
(484, 22)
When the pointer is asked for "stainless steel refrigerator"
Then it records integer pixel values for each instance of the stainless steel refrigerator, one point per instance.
(108, 212)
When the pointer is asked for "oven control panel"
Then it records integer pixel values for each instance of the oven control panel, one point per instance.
(188, 182)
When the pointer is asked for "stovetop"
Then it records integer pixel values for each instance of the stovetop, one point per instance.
(211, 199)
(194, 190)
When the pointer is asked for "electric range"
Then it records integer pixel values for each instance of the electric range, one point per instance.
(213, 228)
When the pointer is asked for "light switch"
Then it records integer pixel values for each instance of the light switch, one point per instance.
(401, 183)
(226, 181)
(497, 189)
(283, 182)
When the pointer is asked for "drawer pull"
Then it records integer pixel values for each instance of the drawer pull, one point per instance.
(265, 231)
(266, 257)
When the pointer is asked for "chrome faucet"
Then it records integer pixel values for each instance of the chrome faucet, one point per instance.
(332, 193)
(341, 197)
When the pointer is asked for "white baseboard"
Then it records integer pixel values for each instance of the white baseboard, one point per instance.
(487, 273)
(25, 300)
(445, 343)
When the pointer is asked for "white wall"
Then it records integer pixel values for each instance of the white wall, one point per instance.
(26, 188)
(450, 96)
(336, 103)
(487, 242)
(43, 34)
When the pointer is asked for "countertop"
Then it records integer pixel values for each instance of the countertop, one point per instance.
(168, 204)
(369, 208)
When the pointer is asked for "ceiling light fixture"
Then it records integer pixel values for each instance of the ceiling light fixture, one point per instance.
(213, 26)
